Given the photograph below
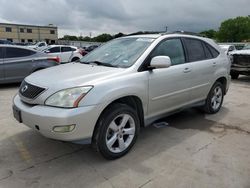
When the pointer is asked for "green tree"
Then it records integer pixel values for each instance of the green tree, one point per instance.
(235, 30)
(119, 35)
(102, 38)
(209, 33)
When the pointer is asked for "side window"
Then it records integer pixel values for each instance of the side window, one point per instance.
(54, 50)
(194, 49)
(18, 52)
(41, 44)
(214, 52)
(172, 48)
(73, 49)
(1, 52)
(66, 49)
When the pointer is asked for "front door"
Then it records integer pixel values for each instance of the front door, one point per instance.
(168, 87)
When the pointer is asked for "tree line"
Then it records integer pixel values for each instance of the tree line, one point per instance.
(231, 30)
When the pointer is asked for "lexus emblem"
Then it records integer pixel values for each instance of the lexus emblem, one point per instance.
(24, 88)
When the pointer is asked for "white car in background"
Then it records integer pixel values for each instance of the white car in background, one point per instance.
(39, 46)
(65, 53)
(227, 48)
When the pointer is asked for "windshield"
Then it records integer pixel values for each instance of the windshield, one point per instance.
(247, 47)
(121, 52)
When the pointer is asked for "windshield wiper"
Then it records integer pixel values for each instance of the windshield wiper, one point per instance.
(99, 63)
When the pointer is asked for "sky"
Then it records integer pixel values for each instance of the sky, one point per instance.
(85, 17)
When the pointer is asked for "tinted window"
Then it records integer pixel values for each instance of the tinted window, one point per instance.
(18, 52)
(54, 50)
(214, 52)
(1, 52)
(66, 49)
(207, 51)
(41, 44)
(73, 49)
(194, 49)
(172, 48)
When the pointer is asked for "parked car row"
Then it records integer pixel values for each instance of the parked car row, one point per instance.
(65, 53)
(17, 62)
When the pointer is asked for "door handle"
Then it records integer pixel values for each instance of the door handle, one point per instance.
(187, 70)
(214, 64)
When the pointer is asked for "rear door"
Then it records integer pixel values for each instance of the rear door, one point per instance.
(1, 64)
(55, 52)
(18, 63)
(203, 66)
(67, 54)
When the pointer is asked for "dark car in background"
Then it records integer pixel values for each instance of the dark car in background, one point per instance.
(240, 62)
(5, 42)
(91, 48)
(17, 62)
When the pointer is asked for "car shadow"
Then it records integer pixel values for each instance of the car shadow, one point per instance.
(10, 86)
(242, 80)
(31, 154)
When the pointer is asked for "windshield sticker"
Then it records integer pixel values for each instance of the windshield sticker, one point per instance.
(145, 40)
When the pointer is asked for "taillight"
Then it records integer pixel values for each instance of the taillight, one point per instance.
(56, 59)
(82, 52)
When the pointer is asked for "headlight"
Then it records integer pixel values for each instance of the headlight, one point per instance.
(68, 98)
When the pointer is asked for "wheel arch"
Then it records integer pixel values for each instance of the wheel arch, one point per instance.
(131, 100)
(223, 81)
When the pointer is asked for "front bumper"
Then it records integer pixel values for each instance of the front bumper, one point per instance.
(45, 118)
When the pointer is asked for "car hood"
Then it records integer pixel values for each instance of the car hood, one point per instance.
(241, 52)
(72, 75)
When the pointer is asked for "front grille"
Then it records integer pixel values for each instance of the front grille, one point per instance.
(30, 91)
(240, 59)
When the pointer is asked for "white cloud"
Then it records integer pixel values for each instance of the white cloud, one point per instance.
(112, 16)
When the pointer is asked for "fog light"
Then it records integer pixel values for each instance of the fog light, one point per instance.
(64, 129)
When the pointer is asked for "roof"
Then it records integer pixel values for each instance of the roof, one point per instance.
(25, 25)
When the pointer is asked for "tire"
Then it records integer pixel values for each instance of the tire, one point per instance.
(234, 75)
(75, 59)
(113, 137)
(214, 99)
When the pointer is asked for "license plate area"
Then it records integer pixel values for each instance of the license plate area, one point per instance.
(17, 114)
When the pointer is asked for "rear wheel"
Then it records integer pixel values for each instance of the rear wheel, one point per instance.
(117, 130)
(214, 99)
(75, 59)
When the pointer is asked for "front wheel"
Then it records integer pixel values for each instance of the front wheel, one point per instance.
(214, 99)
(117, 130)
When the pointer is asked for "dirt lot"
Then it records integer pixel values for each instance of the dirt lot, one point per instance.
(195, 150)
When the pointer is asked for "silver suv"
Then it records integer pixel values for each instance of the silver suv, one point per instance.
(123, 85)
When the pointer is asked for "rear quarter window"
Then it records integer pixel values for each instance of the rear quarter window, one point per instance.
(12, 52)
(214, 52)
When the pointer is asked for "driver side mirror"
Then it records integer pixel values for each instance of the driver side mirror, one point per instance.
(160, 62)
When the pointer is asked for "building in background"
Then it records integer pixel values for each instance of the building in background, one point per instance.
(28, 33)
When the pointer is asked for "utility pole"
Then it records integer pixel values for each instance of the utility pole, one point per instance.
(166, 28)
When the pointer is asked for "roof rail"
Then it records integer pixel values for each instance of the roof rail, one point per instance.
(184, 32)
